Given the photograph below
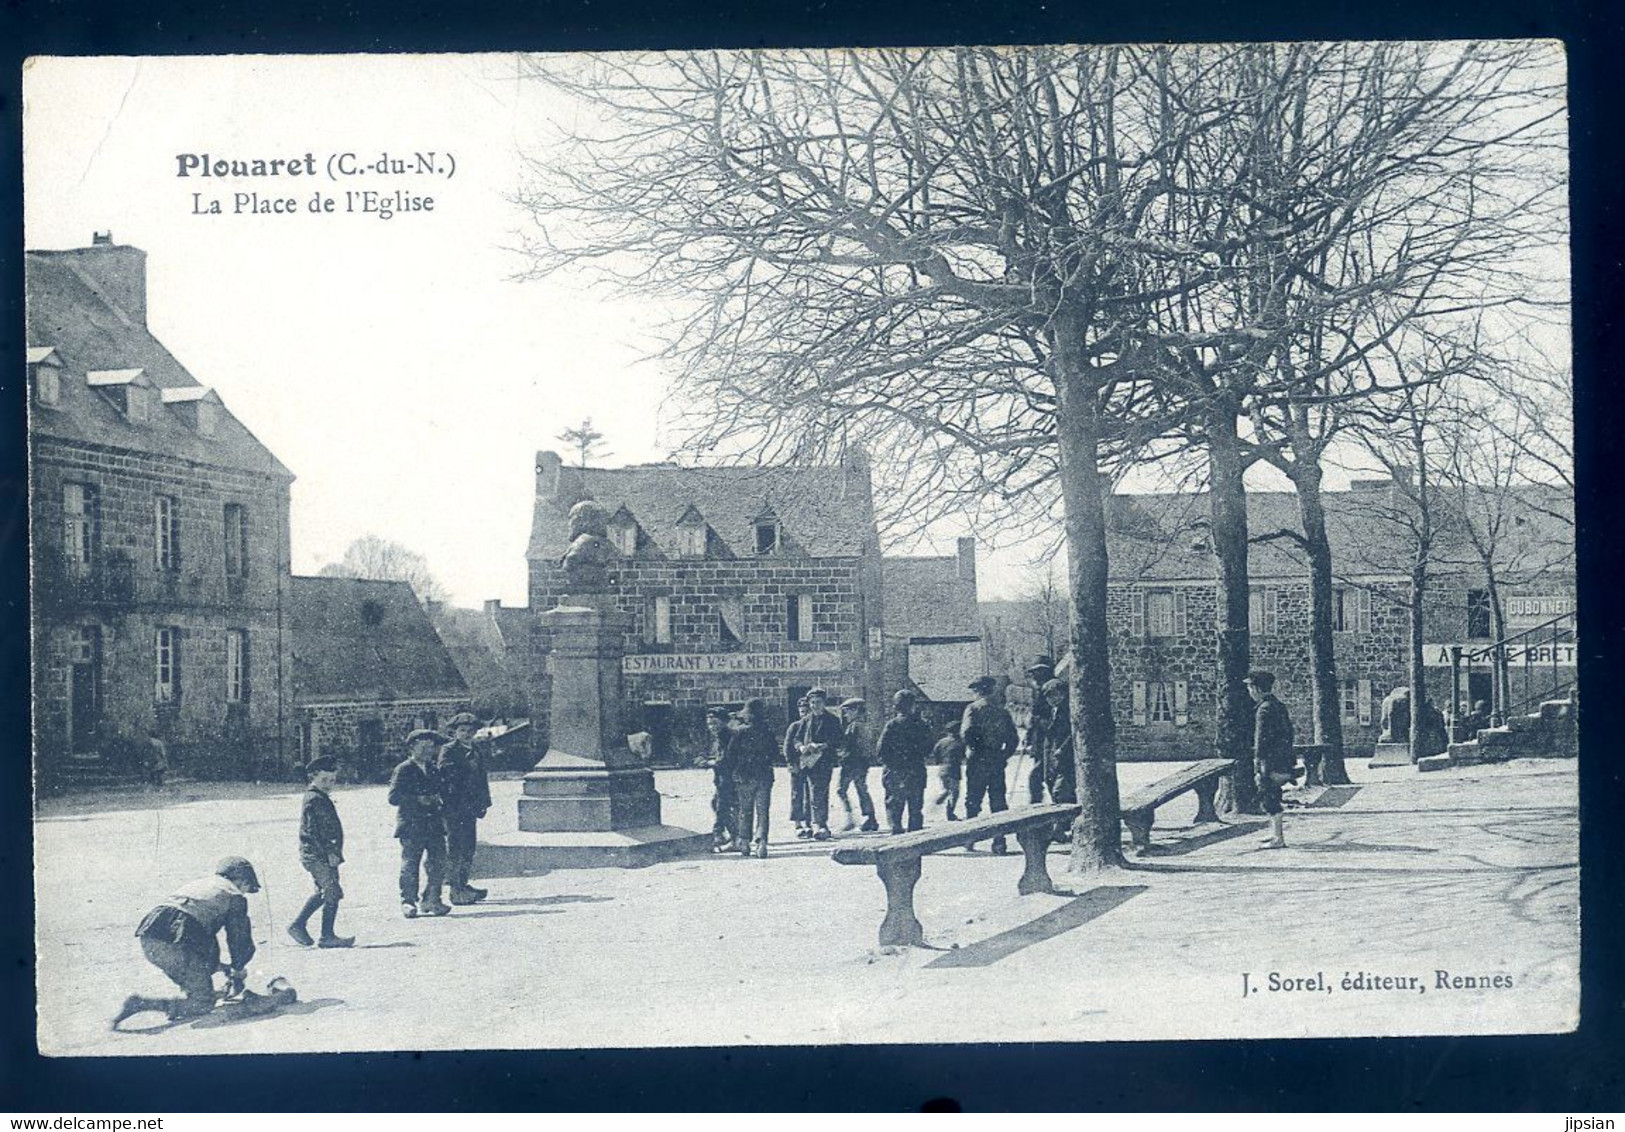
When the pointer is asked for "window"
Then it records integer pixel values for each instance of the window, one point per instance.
(767, 536)
(236, 540)
(1160, 613)
(1478, 615)
(798, 617)
(1356, 702)
(731, 620)
(167, 533)
(1351, 611)
(236, 666)
(660, 619)
(168, 684)
(81, 511)
(1161, 701)
(137, 407)
(205, 417)
(47, 385)
(624, 535)
(1263, 611)
(691, 541)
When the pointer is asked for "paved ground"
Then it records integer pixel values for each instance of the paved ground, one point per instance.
(1471, 872)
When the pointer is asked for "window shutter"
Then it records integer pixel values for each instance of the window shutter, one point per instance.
(1181, 616)
(1364, 698)
(1181, 700)
(1139, 702)
(806, 616)
(1272, 611)
(1362, 606)
(1137, 618)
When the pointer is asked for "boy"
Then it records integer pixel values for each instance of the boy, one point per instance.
(181, 937)
(724, 798)
(750, 755)
(819, 740)
(990, 738)
(949, 753)
(321, 851)
(1274, 761)
(854, 756)
(420, 826)
(467, 791)
(905, 743)
(800, 796)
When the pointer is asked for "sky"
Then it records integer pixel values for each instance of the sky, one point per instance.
(395, 366)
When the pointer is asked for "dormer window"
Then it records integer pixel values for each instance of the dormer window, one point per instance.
(129, 389)
(137, 406)
(198, 406)
(45, 370)
(767, 534)
(692, 534)
(623, 533)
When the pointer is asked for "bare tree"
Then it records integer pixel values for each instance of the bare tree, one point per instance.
(584, 439)
(382, 560)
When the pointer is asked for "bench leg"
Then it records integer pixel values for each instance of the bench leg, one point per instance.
(900, 928)
(1035, 877)
(1139, 830)
(1205, 791)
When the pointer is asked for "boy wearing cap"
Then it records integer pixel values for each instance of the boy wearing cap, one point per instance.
(905, 744)
(949, 753)
(1274, 761)
(420, 826)
(750, 755)
(321, 851)
(819, 740)
(181, 937)
(990, 738)
(800, 798)
(1039, 741)
(467, 794)
(855, 759)
(724, 797)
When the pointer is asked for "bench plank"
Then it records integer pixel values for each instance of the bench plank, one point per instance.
(1139, 809)
(897, 860)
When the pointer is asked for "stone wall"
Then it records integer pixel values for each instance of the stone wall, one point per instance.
(125, 597)
(334, 731)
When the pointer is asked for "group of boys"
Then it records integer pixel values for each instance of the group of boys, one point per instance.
(440, 792)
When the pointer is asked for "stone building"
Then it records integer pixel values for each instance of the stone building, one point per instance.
(160, 542)
(1163, 618)
(933, 635)
(742, 582)
(368, 668)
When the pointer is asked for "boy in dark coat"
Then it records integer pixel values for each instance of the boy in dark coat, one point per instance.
(818, 742)
(750, 754)
(321, 851)
(724, 798)
(467, 794)
(1274, 761)
(181, 937)
(800, 794)
(949, 753)
(990, 738)
(420, 825)
(855, 757)
(905, 744)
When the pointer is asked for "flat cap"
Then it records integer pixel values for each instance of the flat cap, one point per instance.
(425, 733)
(983, 684)
(462, 719)
(854, 701)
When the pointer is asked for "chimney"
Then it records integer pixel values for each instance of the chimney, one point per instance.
(548, 466)
(433, 608)
(118, 272)
(855, 472)
(967, 562)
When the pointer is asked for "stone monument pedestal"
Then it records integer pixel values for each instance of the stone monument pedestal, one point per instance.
(1391, 754)
(590, 802)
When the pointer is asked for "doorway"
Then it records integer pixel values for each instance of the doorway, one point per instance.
(84, 690)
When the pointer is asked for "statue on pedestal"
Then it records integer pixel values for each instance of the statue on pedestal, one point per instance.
(586, 563)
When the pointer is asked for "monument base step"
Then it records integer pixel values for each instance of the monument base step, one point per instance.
(1434, 762)
(1391, 754)
(519, 853)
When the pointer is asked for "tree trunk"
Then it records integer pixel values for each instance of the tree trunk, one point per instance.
(1227, 493)
(1418, 672)
(1328, 700)
(1097, 836)
(1500, 678)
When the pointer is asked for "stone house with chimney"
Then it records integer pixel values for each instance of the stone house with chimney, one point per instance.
(742, 582)
(933, 636)
(159, 555)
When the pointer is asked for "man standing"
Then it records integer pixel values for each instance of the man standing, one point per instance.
(724, 797)
(420, 826)
(1038, 742)
(800, 799)
(820, 740)
(467, 794)
(905, 744)
(1274, 763)
(855, 759)
(321, 851)
(181, 937)
(990, 737)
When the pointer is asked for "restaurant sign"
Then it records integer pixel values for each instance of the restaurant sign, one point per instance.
(708, 663)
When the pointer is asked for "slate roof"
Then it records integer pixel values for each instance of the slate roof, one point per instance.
(823, 511)
(1165, 537)
(925, 597)
(88, 330)
(360, 640)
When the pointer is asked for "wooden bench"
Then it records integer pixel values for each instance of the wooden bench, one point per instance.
(897, 859)
(1139, 809)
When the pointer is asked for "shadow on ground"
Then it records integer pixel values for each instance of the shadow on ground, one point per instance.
(1074, 913)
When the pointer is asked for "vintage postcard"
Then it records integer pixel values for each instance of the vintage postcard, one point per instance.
(971, 544)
